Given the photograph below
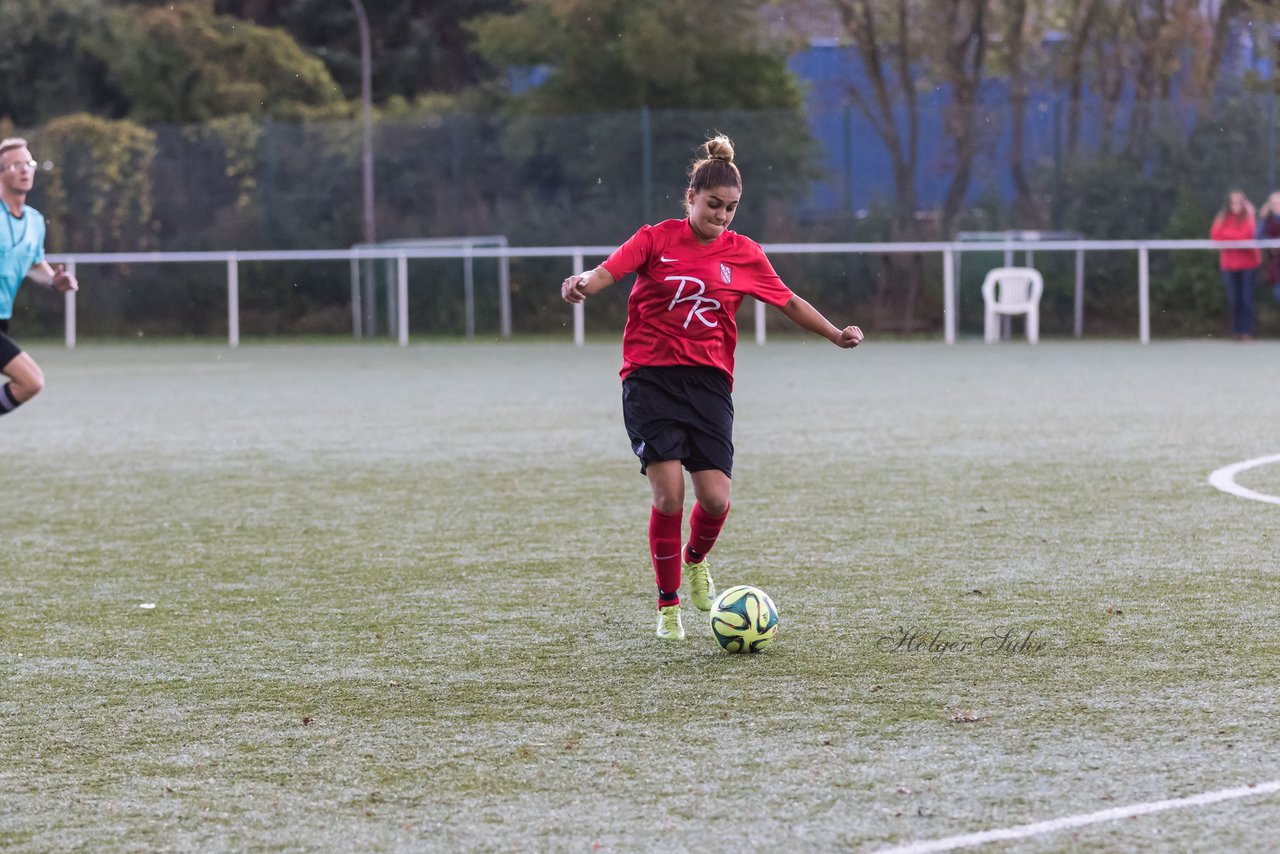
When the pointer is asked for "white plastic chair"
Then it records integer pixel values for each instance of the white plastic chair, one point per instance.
(1007, 291)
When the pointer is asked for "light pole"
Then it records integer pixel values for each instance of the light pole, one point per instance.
(366, 96)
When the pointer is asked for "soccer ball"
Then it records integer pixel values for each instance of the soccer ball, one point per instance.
(743, 619)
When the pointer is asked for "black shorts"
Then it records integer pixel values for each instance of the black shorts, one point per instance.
(680, 413)
(8, 349)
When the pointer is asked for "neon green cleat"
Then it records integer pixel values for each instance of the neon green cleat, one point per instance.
(669, 626)
(702, 590)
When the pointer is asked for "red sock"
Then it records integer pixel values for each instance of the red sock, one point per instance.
(664, 547)
(703, 531)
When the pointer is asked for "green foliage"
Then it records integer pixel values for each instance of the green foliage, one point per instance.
(154, 63)
(237, 137)
(599, 177)
(183, 63)
(1170, 182)
(98, 196)
(1166, 183)
(420, 46)
(46, 66)
(618, 54)
(604, 143)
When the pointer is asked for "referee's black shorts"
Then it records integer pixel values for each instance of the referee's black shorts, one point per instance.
(681, 413)
(8, 349)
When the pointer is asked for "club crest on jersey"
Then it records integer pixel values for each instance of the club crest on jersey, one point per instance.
(700, 304)
(726, 275)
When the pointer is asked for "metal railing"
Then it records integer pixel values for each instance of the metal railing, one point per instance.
(952, 254)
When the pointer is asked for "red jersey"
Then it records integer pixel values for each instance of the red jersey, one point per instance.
(1236, 228)
(682, 306)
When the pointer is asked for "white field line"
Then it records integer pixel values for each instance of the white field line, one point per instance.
(1225, 479)
(1039, 828)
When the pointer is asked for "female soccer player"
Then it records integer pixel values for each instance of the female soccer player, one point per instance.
(677, 363)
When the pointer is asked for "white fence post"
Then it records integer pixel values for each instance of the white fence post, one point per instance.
(579, 315)
(504, 294)
(402, 299)
(233, 301)
(69, 309)
(949, 296)
(469, 291)
(357, 327)
(1077, 326)
(1144, 295)
(759, 322)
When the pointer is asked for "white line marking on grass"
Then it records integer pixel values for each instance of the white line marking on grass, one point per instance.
(1040, 828)
(1054, 825)
(1225, 479)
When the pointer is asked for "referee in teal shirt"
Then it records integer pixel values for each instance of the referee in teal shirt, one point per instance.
(21, 257)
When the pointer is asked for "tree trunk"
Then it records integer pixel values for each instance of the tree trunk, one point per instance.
(963, 59)
(1029, 212)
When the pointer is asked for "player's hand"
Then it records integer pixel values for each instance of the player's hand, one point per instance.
(64, 281)
(574, 289)
(850, 336)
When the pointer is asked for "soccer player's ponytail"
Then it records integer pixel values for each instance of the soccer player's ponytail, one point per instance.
(717, 168)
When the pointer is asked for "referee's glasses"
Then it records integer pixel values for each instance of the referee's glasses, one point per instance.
(20, 166)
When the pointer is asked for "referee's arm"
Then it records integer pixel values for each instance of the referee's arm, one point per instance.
(59, 279)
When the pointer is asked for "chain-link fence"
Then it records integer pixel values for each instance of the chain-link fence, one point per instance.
(1138, 171)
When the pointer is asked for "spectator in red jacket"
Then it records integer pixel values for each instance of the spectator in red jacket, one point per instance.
(1236, 221)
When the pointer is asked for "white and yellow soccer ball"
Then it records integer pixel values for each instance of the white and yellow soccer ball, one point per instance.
(743, 619)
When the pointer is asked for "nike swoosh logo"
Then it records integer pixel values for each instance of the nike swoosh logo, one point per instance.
(664, 259)
(666, 557)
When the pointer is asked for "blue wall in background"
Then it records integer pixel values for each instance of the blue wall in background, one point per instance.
(859, 165)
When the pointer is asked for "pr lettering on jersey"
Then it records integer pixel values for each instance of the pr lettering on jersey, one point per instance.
(726, 275)
(700, 304)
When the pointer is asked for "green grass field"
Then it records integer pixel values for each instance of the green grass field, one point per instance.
(402, 602)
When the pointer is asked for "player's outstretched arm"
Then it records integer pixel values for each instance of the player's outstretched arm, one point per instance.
(577, 288)
(804, 315)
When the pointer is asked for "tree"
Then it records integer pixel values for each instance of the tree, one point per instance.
(32, 87)
(627, 91)
(1017, 33)
(182, 63)
(963, 42)
(1136, 54)
(419, 46)
(1082, 17)
(169, 63)
(1228, 12)
(619, 54)
(99, 196)
(887, 46)
(904, 46)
